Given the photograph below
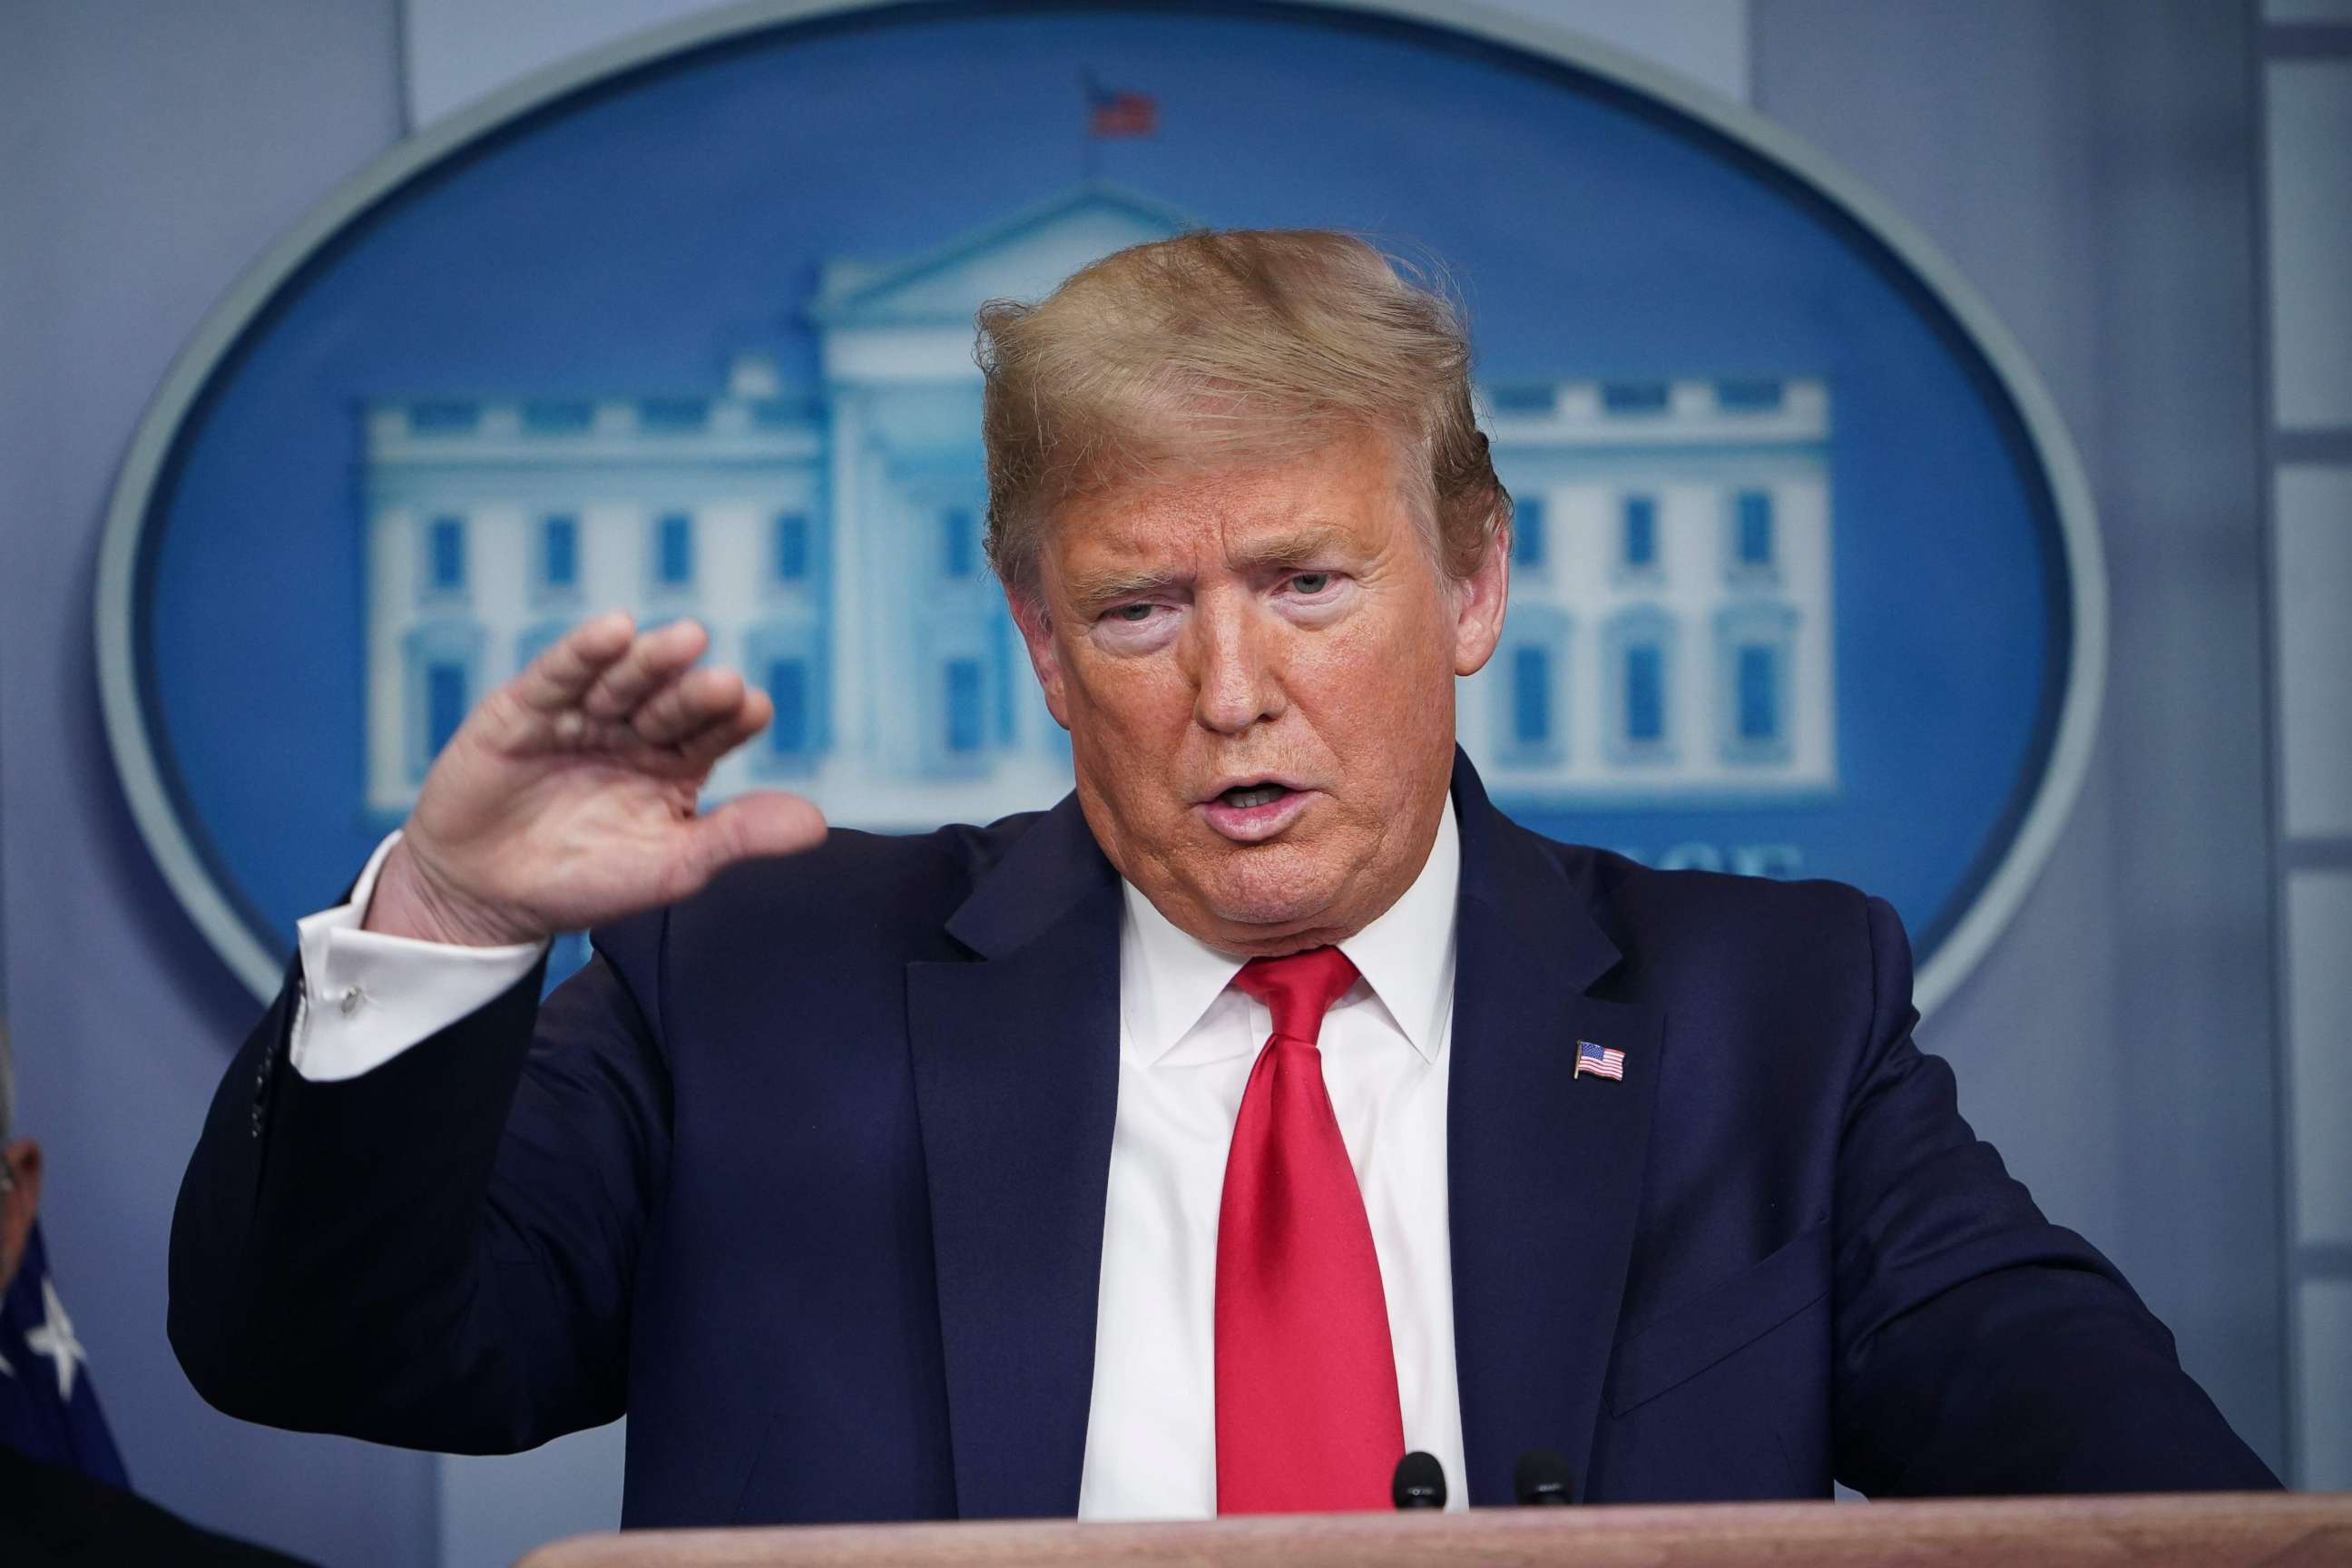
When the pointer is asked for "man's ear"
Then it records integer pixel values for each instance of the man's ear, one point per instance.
(1036, 624)
(1479, 602)
(19, 1204)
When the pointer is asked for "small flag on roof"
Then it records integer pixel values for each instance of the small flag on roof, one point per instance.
(1114, 115)
(1600, 1062)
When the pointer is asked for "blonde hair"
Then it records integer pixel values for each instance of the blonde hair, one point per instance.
(1221, 347)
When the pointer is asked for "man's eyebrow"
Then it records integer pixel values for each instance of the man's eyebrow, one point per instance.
(1091, 591)
(1301, 546)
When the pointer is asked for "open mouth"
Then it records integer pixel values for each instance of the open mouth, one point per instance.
(1253, 812)
(1243, 796)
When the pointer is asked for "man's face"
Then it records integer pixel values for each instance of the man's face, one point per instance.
(1256, 669)
(20, 1200)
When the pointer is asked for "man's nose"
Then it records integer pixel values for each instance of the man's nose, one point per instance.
(1237, 679)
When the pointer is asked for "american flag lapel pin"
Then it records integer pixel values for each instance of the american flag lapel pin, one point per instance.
(1600, 1062)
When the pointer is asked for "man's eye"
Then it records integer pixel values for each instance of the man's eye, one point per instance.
(1133, 613)
(1310, 582)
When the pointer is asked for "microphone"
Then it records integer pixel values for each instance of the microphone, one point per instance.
(1542, 1479)
(1419, 1481)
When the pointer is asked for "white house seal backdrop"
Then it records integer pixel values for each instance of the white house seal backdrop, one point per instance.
(1804, 580)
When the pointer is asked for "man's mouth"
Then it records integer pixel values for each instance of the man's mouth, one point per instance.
(1254, 811)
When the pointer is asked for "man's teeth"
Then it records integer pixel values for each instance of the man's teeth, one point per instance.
(1259, 795)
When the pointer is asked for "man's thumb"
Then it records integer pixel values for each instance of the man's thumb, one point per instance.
(763, 823)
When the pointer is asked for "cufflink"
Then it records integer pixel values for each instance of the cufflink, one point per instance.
(352, 997)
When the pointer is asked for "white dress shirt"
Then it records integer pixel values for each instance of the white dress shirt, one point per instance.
(1187, 1040)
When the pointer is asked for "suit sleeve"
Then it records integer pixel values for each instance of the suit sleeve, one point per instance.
(439, 1252)
(1980, 1349)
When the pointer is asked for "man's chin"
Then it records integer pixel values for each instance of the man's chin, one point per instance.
(1269, 906)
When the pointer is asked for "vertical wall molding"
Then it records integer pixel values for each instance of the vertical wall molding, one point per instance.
(2303, 70)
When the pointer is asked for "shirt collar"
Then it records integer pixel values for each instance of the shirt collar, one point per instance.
(1168, 979)
(1406, 955)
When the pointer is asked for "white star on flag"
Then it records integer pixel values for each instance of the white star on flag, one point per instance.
(55, 1338)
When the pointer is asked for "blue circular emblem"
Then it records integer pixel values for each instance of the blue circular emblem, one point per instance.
(1806, 581)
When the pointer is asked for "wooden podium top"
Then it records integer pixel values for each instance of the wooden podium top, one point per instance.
(2218, 1529)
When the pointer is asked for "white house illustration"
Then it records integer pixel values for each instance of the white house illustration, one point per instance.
(1669, 632)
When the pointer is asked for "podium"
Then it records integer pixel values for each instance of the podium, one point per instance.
(2212, 1530)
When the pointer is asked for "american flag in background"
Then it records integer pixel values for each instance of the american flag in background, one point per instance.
(1600, 1062)
(1113, 115)
(49, 1409)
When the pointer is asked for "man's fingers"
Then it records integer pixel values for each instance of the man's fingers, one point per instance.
(765, 822)
(751, 715)
(687, 705)
(563, 672)
(652, 659)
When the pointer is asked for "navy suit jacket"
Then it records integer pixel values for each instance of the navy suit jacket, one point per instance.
(806, 1175)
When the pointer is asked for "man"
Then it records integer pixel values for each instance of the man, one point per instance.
(1269, 1106)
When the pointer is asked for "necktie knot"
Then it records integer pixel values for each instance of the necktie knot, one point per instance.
(1298, 988)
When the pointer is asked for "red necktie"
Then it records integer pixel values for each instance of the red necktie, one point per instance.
(1307, 1418)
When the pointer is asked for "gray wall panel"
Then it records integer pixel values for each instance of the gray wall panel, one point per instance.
(2089, 167)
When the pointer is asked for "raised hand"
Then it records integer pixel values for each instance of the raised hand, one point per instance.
(568, 796)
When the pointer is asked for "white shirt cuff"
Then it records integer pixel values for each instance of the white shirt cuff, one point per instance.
(367, 997)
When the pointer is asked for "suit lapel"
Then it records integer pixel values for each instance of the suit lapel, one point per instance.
(1016, 1084)
(1544, 1168)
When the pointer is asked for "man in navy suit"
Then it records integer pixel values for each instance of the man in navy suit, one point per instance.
(1269, 1106)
